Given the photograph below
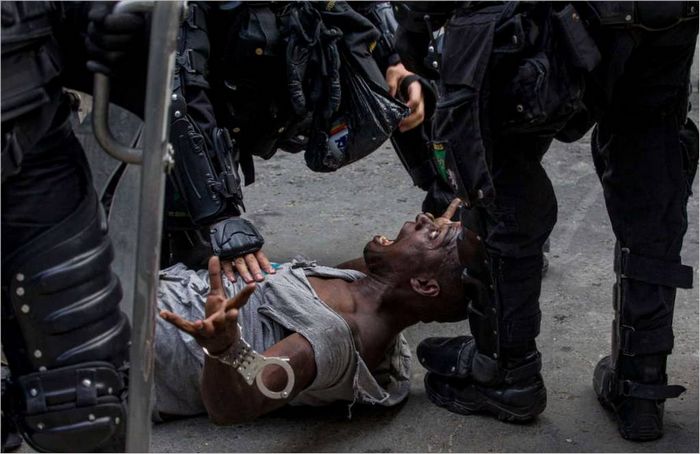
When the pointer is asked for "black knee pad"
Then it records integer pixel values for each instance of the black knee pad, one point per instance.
(79, 408)
(65, 336)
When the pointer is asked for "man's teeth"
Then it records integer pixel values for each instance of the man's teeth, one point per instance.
(384, 241)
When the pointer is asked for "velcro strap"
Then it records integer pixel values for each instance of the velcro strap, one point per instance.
(659, 340)
(654, 271)
(651, 392)
(405, 83)
(527, 370)
(193, 62)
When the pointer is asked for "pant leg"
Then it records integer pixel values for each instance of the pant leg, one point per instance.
(641, 162)
(62, 331)
(524, 216)
(49, 187)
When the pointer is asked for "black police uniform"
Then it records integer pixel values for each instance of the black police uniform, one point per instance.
(514, 76)
(63, 334)
(238, 94)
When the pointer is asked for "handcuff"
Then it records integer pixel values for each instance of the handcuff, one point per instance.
(250, 364)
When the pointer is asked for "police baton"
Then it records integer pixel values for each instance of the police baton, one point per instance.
(156, 158)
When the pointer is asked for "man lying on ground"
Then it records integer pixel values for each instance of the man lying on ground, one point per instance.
(340, 328)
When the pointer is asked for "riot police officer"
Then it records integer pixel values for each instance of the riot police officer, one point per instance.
(514, 76)
(65, 339)
(256, 77)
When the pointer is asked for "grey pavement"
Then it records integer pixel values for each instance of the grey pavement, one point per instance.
(330, 217)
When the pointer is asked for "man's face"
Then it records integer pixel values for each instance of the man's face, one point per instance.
(420, 246)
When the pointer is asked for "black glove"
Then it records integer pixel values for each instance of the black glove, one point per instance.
(234, 237)
(312, 61)
(114, 40)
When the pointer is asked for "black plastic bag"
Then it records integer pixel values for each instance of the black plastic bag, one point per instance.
(367, 117)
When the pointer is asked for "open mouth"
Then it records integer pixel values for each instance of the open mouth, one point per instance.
(382, 240)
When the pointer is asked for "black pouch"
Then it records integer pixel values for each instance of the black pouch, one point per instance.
(539, 90)
(581, 49)
(368, 117)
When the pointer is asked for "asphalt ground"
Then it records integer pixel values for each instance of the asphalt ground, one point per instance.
(329, 217)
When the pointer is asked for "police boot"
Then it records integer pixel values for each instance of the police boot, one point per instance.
(494, 371)
(632, 382)
(514, 392)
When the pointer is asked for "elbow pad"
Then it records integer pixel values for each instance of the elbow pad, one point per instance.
(206, 169)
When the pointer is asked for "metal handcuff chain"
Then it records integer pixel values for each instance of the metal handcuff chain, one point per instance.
(250, 364)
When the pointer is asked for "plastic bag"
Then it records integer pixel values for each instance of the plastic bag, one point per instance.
(367, 117)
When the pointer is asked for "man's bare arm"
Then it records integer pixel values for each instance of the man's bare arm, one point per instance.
(227, 397)
(230, 400)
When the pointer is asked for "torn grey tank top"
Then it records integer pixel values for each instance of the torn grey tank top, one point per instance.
(284, 303)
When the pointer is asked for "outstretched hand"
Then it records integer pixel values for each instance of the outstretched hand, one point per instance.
(219, 329)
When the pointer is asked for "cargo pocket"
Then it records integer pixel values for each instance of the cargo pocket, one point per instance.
(466, 51)
(458, 145)
(524, 97)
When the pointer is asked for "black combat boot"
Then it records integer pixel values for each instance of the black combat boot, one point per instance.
(464, 381)
(636, 395)
(632, 381)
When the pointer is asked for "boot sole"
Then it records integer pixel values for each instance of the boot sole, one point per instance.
(502, 412)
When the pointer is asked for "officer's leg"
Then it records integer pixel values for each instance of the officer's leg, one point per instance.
(497, 370)
(645, 168)
(64, 336)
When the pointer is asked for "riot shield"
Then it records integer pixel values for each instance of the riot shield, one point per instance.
(155, 157)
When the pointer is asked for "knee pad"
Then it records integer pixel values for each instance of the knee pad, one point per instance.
(65, 336)
(78, 408)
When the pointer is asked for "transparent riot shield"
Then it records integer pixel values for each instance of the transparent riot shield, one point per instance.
(155, 157)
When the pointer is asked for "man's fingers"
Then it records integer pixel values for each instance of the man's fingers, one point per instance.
(215, 285)
(191, 328)
(393, 83)
(253, 267)
(264, 262)
(451, 209)
(241, 297)
(242, 269)
(392, 80)
(228, 270)
(417, 106)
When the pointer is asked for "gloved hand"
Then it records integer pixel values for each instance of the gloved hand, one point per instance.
(239, 244)
(313, 61)
(114, 39)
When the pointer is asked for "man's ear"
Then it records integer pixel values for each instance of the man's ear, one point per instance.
(425, 287)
